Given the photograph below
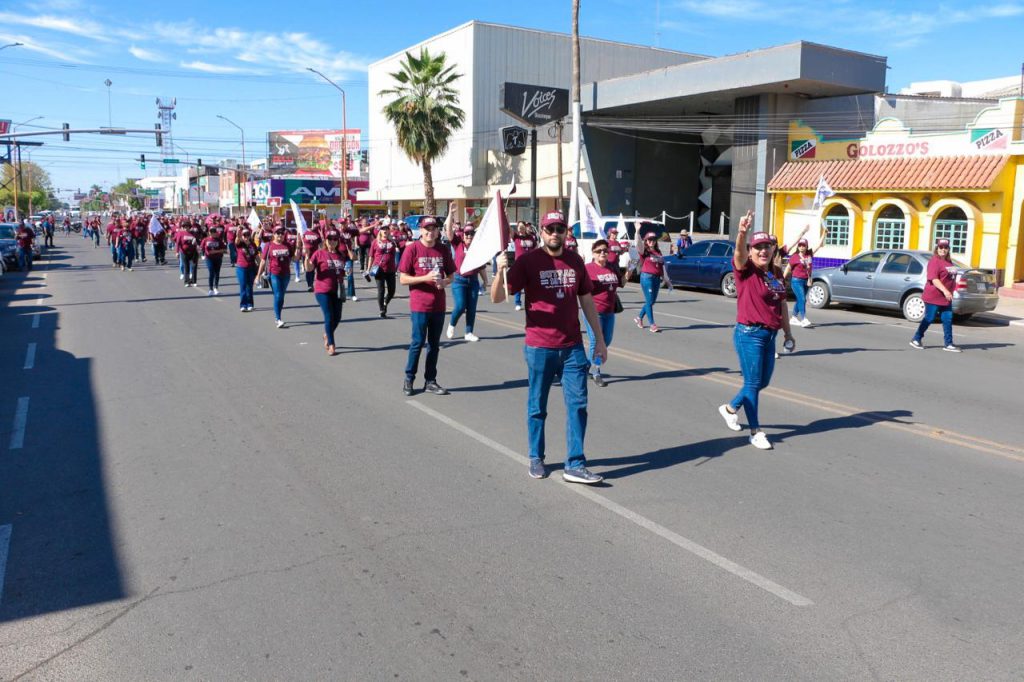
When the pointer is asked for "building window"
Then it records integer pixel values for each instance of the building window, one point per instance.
(837, 220)
(952, 224)
(890, 229)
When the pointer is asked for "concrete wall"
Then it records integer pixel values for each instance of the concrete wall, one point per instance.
(930, 114)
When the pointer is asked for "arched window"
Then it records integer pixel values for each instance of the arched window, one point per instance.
(952, 224)
(891, 228)
(837, 220)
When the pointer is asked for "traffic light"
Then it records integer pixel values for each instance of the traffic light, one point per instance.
(159, 136)
(66, 135)
(142, 161)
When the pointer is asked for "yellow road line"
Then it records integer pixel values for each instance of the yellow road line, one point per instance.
(919, 429)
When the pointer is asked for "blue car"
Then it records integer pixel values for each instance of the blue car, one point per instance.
(705, 265)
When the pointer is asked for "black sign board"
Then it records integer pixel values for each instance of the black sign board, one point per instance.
(514, 140)
(534, 105)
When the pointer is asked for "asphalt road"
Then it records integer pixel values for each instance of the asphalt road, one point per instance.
(187, 492)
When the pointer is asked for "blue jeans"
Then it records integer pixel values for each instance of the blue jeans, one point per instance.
(330, 306)
(945, 314)
(755, 347)
(114, 254)
(189, 267)
(140, 248)
(650, 284)
(246, 277)
(25, 258)
(542, 364)
(297, 265)
(232, 253)
(426, 330)
(181, 263)
(519, 298)
(607, 321)
(279, 285)
(350, 281)
(213, 272)
(800, 294)
(464, 291)
(126, 254)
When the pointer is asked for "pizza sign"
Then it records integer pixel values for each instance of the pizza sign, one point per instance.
(990, 138)
(803, 149)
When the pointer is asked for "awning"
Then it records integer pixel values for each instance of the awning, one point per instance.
(910, 174)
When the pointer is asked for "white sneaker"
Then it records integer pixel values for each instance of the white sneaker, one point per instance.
(794, 320)
(760, 441)
(296, 278)
(471, 337)
(355, 298)
(210, 292)
(280, 323)
(805, 323)
(216, 293)
(732, 419)
(248, 308)
(451, 332)
(181, 275)
(519, 307)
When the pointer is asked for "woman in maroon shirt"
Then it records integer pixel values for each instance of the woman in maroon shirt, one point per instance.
(328, 267)
(605, 279)
(760, 312)
(245, 267)
(938, 297)
(382, 257)
(277, 260)
(652, 268)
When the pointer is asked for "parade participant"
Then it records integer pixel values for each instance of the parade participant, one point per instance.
(800, 266)
(113, 230)
(557, 286)
(311, 242)
(364, 239)
(524, 241)
(291, 238)
(684, 242)
(760, 313)
(652, 268)
(348, 238)
(159, 240)
(188, 255)
(47, 226)
(938, 297)
(465, 287)
(328, 267)
(383, 269)
(230, 236)
(605, 281)
(615, 249)
(24, 236)
(245, 267)
(276, 261)
(126, 248)
(139, 239)
(213, 249)
(426, 268)
(570, 241)
(66, 225)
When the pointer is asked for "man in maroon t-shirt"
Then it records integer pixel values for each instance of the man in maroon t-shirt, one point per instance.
(25, 235)
(557, 286)
(426, 268)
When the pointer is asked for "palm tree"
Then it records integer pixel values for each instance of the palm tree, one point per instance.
(425, 112)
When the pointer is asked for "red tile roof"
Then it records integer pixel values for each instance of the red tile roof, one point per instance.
(930, 173)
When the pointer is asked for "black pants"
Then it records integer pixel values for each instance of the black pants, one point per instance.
(160, 252)
(385, 279)
(364, 255)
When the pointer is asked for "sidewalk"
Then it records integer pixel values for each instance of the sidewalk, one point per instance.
(1011, 309)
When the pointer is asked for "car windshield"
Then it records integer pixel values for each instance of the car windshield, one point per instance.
(963, 266)
(6, 232)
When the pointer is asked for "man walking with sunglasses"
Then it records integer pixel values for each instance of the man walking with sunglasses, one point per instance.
(557, 285)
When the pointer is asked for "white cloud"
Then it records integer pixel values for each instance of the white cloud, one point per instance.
(79, 27)
(213, 68)
(146, 55)
(50, 50)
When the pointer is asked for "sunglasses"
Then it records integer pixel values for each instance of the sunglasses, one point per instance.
(762, 247)
(597, 251)
(555, 229)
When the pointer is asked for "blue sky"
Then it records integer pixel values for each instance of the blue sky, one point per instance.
(247, 60)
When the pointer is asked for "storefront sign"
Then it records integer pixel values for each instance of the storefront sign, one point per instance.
(534, 105)
(803, 149)
(311, 152)
(890, 149)
(992, 138)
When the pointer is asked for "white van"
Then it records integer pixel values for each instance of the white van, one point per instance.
(634, 225)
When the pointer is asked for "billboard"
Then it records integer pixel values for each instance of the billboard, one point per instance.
(310, 152)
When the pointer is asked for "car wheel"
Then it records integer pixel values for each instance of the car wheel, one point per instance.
(817, 295)
(914, 307)
(728, 285)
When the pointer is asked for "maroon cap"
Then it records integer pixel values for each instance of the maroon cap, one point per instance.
(942, 242)
(760, 238)
(429, 221)
(279, 229)
(332, 234)
(553, 218)
(803, 242)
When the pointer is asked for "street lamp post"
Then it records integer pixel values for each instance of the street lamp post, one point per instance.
(241, 195)
(344, 138)
(4, 47)
(110, 116)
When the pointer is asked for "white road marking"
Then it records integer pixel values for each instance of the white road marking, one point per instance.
(18, 429)
(30, 356)
(39, 301)
(695, 319)
(5, 543)
(630, 515)
(35, 321)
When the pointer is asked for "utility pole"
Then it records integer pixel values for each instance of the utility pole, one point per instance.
(576, 114)
(344, 139)
(110, 116)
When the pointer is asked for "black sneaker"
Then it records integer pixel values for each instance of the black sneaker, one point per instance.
(537, 469)
(581, 475)
(383, 315)
(407, 387)
(435, 388)
(914, 343)
(557, 381)
(599, 380)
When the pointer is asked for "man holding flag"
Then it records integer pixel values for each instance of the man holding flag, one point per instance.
(557, 286)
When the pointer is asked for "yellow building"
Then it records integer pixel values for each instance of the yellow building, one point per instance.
(898, 189)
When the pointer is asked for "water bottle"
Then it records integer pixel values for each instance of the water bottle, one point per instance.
(789, 345)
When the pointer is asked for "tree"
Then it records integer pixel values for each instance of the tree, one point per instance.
(425, 112)
(32, 176)
(127, 190)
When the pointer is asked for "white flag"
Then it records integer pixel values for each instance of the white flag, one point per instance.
(590, 220)
(300, 222)
(823, 192)
(490, 239)
(154, 226)
(254, 220)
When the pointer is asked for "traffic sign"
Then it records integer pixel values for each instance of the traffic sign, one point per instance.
(274, 202)
(5, 126)
(152, 192)
(172, 161)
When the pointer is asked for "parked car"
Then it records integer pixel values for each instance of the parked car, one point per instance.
(585, 240)
(895, 279)
(413, 221)
(706, 264)
(9, 245)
